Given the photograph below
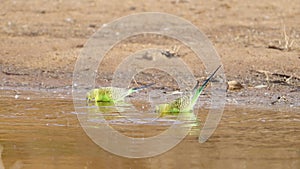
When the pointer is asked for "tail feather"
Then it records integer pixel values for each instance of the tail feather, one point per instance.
(199, 91)
(196, 86)
(135, 89)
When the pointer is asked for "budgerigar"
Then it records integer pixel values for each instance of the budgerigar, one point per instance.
(185, 103)
(112, 94)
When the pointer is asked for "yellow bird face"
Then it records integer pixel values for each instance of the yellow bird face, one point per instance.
(161, 108)
(100, 95)
(166, 109)
(91, 95)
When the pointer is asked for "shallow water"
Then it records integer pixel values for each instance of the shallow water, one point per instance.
(40, 131)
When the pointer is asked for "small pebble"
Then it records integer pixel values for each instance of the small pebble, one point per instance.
(70, 20)
(234, 85)
(260, 86)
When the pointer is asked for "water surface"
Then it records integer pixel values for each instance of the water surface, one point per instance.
(42, 131)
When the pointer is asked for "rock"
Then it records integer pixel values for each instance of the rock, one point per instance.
(234, 85)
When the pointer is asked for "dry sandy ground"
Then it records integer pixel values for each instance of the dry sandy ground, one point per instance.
(41, 40)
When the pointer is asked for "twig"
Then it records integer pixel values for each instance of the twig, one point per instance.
(288, 42)
(135, 81)
(275, 47)
(266, 73)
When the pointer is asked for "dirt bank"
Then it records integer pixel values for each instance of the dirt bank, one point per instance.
(258, 41)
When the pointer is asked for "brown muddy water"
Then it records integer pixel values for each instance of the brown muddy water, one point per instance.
(41, 130)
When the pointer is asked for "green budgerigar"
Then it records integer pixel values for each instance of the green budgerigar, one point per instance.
(185, 103)
(112, 94)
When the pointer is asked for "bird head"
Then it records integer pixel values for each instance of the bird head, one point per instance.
(90, 96)
(166, 109)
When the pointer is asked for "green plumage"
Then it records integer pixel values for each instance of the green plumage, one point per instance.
(185, 103)
(111, 94)
(174, 107)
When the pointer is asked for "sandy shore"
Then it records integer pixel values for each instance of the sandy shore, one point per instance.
(258, 41)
